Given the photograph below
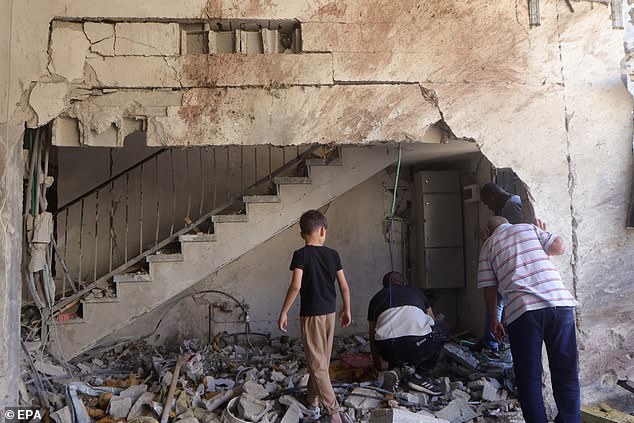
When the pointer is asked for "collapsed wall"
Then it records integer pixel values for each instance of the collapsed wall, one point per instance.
(547, 101)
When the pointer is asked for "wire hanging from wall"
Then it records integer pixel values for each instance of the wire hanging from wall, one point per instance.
(390, 218)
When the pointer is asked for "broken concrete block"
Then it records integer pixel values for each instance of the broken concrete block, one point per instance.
(101, 37)
(277, 376)
(134, 392)
(65, 132)
(249, 42)
(289, 401)
(142, 419)
(361, 402)
(221, 42)
(120, 407)
(219, 400)
(48, 368)
(293, 414)
(457, 393)
(271, 41)
(48, 100)
(457, 411)
(252, 410)
(492, 394)
(383, 415)
(62, 416)
(142, 405)
(147, 39)
(68, 50)
(461, 356)
(255, 390)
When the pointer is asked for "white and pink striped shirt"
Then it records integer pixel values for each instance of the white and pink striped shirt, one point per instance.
(514, 259)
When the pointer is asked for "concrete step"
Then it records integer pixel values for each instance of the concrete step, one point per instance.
(163, 258)
(291, 180)
(221, 218)
(324, 162)
(261, 199)
(132, 278)
(197, 238)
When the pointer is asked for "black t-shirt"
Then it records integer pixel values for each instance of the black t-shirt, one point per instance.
(320, 264)
(400, 296)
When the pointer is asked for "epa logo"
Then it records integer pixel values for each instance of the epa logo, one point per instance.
(17, 414)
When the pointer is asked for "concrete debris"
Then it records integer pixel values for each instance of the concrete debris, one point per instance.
(364, 399)
(401, 416)
(265, 382)
(120, 407)
(463, 357)
(457, 411)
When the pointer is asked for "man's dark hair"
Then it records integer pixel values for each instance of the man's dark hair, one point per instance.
(491, 189)
(393, 278)
(312, 221)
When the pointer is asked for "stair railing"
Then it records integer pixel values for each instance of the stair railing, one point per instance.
(146, 207)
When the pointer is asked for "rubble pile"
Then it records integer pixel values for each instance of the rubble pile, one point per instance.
(232, 381)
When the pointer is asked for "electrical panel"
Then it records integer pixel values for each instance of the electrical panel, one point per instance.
(437, 203)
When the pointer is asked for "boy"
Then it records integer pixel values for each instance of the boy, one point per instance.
(315, 268)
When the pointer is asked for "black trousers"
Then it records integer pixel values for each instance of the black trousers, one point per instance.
(421, 352)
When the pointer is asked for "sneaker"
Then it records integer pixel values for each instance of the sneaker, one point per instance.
(389, 379)
(425, 385)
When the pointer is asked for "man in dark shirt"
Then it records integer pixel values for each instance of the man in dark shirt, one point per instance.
(402, 330)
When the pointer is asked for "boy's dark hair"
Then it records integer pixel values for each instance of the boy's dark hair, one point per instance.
(312, 221)
(393, 278)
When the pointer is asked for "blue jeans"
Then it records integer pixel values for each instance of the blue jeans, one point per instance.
(488, 340)
(556, 328)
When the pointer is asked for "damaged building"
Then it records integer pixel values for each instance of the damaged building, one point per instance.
(157, 158)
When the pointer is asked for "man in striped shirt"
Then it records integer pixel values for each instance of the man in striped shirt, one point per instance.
(514, 262)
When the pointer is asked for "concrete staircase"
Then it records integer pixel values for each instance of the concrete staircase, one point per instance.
(234, 235)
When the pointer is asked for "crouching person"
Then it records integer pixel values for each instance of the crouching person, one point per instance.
(403, 331)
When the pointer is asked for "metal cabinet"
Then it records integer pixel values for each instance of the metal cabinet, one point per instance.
(437, 202)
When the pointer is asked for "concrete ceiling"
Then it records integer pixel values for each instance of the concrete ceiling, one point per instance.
(452, 151)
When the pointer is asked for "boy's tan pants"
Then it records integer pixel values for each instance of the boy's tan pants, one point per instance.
(317, 335)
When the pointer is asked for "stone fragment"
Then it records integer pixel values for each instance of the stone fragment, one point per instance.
(383, 415)
(120, 407)
(48, 100)
(252, 410)
(255, 390)
(69, 47)
(290, 401)
(141, 405)
(457, 411)
(457, 393)
(147, 39)
(293, 414)
(62, 416)
(220, 400)
(191, 419)
(277, 376)
(461, 356)
(48, 368)
(142, 419)
(491, 393)
(359, 399)
(445, 385)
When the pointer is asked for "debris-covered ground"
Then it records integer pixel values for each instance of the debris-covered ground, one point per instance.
(263, 380)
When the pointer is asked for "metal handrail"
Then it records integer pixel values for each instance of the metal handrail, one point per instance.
(109, 181)
(99, 282)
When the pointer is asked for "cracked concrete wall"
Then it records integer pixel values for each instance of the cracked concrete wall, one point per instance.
(546, 101)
